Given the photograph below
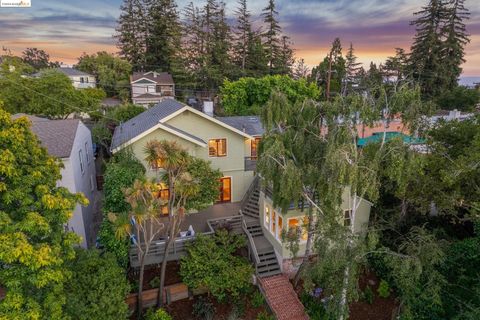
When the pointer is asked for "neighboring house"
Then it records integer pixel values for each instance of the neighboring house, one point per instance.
(71, 141)
(80, 79)
(449, 115)
(231, 145)
(151, 87)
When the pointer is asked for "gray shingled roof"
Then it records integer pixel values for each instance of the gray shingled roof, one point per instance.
(144, 121)
(158, 77)
(148, 96)
(55, 135)
(71, 72)
(248, 124)
(184, 132)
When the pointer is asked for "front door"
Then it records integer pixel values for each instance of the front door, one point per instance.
(225, 189)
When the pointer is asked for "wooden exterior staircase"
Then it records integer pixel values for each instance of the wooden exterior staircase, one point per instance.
(261, 251)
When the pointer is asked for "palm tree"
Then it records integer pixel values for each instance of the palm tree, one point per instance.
(172, 161)
(141, 224)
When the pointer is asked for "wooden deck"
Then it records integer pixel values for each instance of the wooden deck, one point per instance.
(204, 222)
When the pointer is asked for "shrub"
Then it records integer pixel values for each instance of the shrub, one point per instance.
(210, 263)
(158, 314)
(368, 295)
(383, 289)
(97, 288)
(120, 173)
(203, 309)
(264, 316)
(154, 283)
(257, 299)
(239, 307)
(313, 306)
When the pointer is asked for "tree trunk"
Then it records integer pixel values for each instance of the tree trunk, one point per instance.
(308, 247)
(170, 240)
(403, 208)
(140, 288)
(329, 76)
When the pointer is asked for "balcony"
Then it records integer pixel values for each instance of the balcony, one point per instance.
(250, 163)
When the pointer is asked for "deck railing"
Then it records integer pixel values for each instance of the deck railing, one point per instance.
(156, 252)
(252, 249)
(250, 190)
(250, 163)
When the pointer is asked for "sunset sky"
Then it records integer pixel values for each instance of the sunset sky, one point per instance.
(67, 28)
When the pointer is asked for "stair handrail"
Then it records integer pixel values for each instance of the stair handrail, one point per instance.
(251, 243)
(249, 192)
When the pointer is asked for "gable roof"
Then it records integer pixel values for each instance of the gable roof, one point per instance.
(55, 135)
(157, 77)
(143, 122)
(156, 117)
(248, 124)
(72, 72)
(69, 72)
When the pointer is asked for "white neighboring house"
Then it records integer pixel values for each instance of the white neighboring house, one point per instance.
(449, 115)
(71, 141)
(80, 79)
(151, 87)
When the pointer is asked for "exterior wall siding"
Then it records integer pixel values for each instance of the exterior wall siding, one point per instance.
(231, 165)
(76, 81)
(75, 181)
(360, 223)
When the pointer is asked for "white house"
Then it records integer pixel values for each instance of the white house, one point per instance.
(71, 141)
(151, 87)
(80, 79)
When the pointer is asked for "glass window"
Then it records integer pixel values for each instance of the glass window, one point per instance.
(254, 148)
(274, 222)
(164, 194)
(158, 164)
(280, 226)
(87, 154)
(217, 147)
(80, 157)
(267, 217)
(304, 235)
(150, 89)
(82, 80)
(225, 189)
(292, 223)
(347, 219)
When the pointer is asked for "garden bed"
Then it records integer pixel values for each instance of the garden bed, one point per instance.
(172, 275)
(183, 309)
(379, 309)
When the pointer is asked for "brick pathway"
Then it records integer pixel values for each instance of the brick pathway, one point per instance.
(282, 299)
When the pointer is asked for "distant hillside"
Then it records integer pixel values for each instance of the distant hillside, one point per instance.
(469, 81)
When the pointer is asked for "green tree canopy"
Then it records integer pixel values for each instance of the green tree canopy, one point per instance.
(247, 96)
(112, 73)
(460, 98)
(51, 94)
(38, 59)
(34, 245)
(120, 173)
(211, 263)
(97, 288)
